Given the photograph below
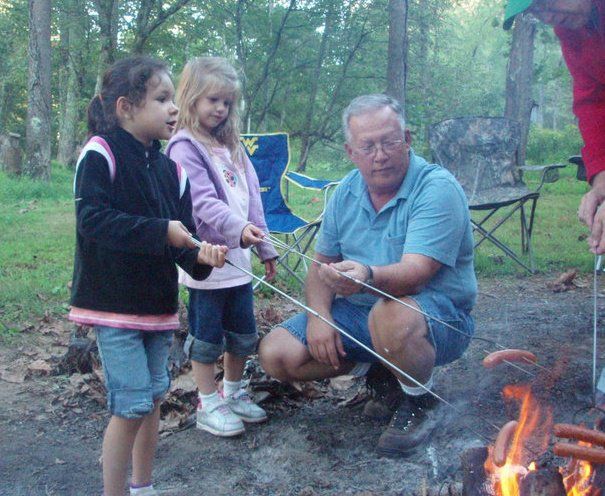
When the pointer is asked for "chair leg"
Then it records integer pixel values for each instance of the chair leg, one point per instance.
(501, 246)
(527, 226)
(526, 232)
(310, 236)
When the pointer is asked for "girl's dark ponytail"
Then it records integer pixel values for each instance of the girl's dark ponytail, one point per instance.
(96, 117)
(126, 78)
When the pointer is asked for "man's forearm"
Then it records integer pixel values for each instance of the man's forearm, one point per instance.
(406, 277)
(318, 296)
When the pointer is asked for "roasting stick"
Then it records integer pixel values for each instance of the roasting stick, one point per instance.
(382, 359)
(281, 244)
(595, 287)
(359, 343)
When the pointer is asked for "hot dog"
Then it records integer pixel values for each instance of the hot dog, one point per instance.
(510, 355)
(570, 431)
(503, 441)
(592, 455)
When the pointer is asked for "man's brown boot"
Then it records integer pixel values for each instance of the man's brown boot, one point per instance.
(385, 393)
(411, 425)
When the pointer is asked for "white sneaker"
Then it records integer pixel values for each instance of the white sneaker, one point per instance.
(242, 405)
(144, 491)
(218, 419)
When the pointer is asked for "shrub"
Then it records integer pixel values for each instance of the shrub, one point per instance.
(547, 146)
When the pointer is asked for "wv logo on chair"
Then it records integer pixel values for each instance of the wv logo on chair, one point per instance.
(270, 156)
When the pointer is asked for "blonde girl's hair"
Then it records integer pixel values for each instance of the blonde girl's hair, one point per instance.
(201, 76)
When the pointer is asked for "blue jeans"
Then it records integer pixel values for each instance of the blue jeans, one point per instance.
(353, 319)
(135, 368)
(221, 319)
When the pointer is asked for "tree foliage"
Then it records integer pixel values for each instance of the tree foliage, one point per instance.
(301, 61)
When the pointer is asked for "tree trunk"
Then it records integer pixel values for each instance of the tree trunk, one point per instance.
(242, 58)
(108, 12)
(251, 92)
(10, 154)
(305, 145)
(74, 30)
(37, 163)
(422, 65)
(519, 75)
(398, 50)
(262, 125)
(3, 105)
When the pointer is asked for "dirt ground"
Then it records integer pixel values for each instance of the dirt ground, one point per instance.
(311, 446)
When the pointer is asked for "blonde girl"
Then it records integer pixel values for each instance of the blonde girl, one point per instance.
(227, 210)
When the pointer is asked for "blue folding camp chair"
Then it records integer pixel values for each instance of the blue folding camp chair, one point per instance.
(270, 156)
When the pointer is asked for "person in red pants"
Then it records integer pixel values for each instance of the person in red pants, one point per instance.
(580, 27)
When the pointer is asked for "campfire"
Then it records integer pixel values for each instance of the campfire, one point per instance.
(518, 463)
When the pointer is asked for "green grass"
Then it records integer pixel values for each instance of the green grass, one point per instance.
(36, 248)
(37, 240)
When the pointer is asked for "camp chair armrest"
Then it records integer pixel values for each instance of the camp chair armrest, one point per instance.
(579, 163)
(308, 182)
(550, 172)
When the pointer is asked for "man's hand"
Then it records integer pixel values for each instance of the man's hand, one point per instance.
(213, 255)
(329, 275)
(178, 235)
(593, 216)
(251, 235)
(270, 270)
(324, 343)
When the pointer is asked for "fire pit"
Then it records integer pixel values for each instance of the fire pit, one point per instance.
(527, 468)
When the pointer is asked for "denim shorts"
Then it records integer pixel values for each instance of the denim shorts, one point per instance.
(221, 320)
(135, 364)
(353, 319)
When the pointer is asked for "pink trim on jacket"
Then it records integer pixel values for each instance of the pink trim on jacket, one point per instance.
(166, 322)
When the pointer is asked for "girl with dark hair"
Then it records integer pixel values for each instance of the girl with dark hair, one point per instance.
(133, 219)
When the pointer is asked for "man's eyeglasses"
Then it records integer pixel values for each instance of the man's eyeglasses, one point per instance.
(387, 147)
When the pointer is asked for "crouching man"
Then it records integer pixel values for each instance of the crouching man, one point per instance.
(401, 225)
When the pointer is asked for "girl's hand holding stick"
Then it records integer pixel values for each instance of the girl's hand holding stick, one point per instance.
(212, 254)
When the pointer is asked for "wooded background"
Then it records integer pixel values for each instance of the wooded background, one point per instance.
(300, 61)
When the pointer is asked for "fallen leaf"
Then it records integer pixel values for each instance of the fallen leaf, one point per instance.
(184, 382)
(13, 376)
(342, 382)
(40, 367)
(260, 396)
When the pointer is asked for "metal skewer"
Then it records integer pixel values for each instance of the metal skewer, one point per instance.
(356, 341)
(362, 345)
(374, 353)
(595, 288)
(382, 359)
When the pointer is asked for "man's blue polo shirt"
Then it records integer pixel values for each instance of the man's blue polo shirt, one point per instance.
(428, 216)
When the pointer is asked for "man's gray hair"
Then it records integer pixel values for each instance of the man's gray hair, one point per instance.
(366, 103)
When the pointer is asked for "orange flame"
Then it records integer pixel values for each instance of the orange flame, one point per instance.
(530, 440)
(577, 477)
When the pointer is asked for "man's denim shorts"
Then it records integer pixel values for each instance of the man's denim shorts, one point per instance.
(353, 319)
(221, 319)
(135, 364)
